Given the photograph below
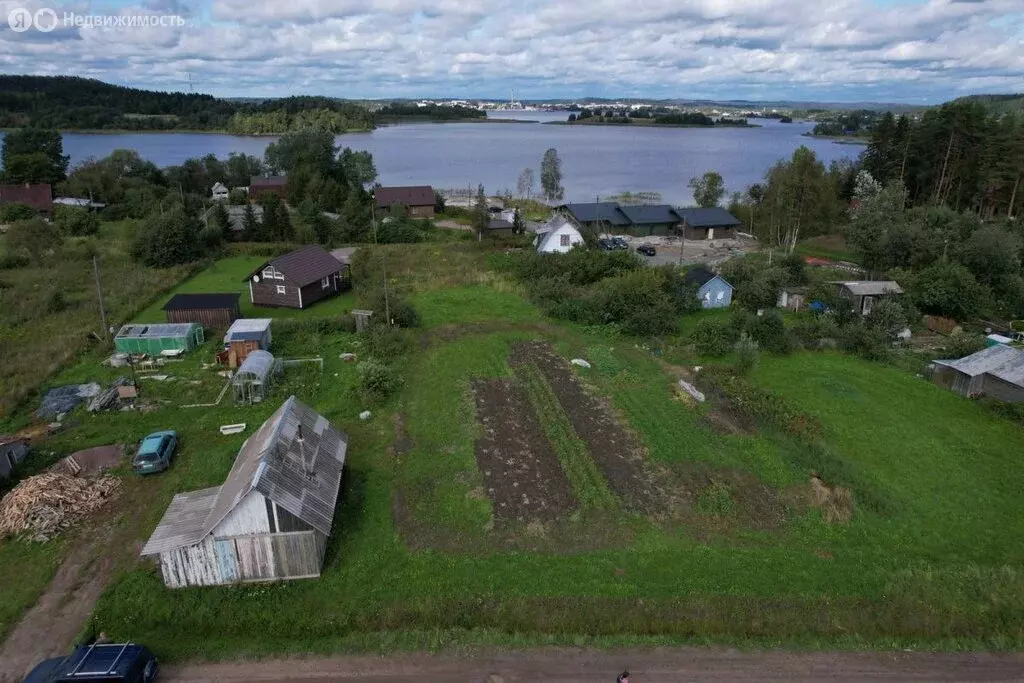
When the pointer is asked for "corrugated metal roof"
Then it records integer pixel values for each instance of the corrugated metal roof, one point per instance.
(301, 476)
(250, 325)
(184, 523)
(38, 196)
(992, 360)
(713, 217)
(274, 462)
(871, 287)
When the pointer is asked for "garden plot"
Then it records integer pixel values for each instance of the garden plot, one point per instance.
(613, 448)
(523, 477)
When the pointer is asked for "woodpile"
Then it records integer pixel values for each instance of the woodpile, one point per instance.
(42, 506)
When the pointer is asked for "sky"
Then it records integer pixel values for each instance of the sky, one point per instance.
(908, 51)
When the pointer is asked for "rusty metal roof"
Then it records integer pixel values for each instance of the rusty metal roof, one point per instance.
(39, 197)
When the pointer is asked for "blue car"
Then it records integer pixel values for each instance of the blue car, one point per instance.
(155, 452)
(100, 663)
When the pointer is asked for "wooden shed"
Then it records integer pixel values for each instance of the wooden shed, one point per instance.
(213, 311)
(245, 336)
(270, 519)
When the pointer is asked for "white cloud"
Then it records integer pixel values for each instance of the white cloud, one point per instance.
(825, 49)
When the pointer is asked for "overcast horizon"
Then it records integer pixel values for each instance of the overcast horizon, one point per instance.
(913, 52)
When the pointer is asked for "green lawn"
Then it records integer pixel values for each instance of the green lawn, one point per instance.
(231, 275)
(931, 558)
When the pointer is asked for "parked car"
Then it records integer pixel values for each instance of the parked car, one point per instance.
(620, 243)
(107, 662)
(606, 245)
(647, 249)
(155, 452)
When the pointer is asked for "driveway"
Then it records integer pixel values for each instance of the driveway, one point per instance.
(646, 666)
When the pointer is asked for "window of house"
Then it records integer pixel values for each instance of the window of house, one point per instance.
(281, 289)
(271, 273)
(721, 295)
(564, 240)
(325, 283)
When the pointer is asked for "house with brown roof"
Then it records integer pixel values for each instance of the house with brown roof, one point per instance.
(260, 185)
(298, 279)
(38, 197)
(417, 199)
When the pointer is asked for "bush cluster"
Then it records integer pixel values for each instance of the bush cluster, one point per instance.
(599, 288)
(377, 380)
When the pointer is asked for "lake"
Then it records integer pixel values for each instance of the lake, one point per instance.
(596, 160)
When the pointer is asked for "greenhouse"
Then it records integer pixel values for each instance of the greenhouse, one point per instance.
(159, 339)
(252, 381)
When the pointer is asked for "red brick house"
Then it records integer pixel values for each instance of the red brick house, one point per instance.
(38, 197)
(260, 185)
(418, 199)
(298, 279)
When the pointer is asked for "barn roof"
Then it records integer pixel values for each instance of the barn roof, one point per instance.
(655, 214)
(184, 523)
(411, 195)
(590, 212)
(295, 459)
(699, 276)
(303, 266)
(1004, 362)
(871, 287)
(267, 181)
(194, 301)
(713, 217)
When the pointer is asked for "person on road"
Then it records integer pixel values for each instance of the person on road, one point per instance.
(623, 677)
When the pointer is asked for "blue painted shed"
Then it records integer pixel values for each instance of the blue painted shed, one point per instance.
(712, 290)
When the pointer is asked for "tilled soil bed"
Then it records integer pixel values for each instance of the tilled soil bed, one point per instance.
(522, 474)
(612, 447)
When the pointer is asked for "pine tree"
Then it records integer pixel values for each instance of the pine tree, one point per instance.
(480, 215)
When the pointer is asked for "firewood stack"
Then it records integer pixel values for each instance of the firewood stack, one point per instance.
(42, 506)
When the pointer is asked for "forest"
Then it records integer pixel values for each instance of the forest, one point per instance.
(71, 103)
(933, 202)
(399, 111)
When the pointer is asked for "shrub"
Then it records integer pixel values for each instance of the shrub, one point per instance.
(56, 302)
(385, 342)
(16, 212)
(650, 321)
(10, 260)
(401, 311)
(748, 355)
(867, 342)
(769, 331)
(887, 317)
(712, 337)
(963, 344)
(377, 381)
(168, 240)
(73, 220)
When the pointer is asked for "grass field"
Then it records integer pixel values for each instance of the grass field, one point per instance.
(732, 553)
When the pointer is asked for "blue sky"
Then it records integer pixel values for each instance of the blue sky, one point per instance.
(913, 51)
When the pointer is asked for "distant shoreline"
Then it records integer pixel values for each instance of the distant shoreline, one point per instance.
(840, 139)
(649, 125)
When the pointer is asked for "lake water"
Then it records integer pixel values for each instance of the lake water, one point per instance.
(596, 160)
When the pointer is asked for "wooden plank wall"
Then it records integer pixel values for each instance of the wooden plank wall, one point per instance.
(259, 557)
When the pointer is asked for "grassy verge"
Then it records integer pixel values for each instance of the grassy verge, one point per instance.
(587, 483)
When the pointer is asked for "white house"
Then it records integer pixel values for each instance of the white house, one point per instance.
(558, 235)
(219, 191)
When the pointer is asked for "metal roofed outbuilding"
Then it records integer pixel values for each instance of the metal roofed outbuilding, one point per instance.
(254, 376)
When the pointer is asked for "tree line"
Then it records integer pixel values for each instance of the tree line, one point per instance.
(65, 102)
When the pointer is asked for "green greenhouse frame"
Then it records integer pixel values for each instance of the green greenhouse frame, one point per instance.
(154, 339)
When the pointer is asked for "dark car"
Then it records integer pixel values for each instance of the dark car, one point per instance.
(101, 663)
(620, 243)
(606, 244)
(647, 249)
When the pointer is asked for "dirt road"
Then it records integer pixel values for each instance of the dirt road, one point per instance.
(646, 666)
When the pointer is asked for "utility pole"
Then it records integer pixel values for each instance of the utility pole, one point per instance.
(99, 295)
(383, 267)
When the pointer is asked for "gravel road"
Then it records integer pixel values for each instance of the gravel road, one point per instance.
(646, 666)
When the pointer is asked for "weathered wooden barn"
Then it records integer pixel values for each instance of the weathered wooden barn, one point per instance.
(270, 519)
(298, 279)
(862, 294)
(212, 311)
